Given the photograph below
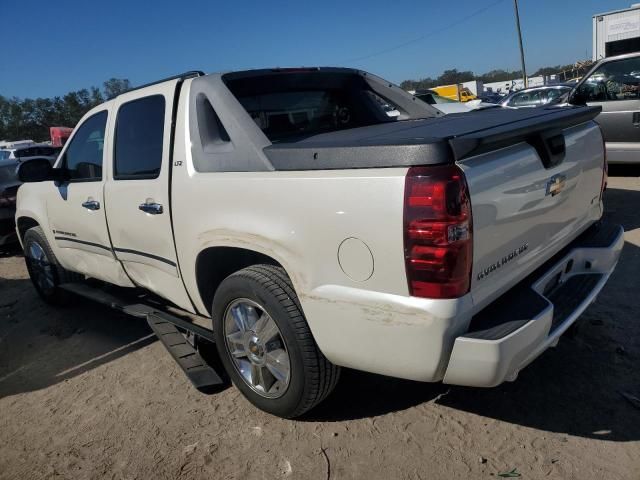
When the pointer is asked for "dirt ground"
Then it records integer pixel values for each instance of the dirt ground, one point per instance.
(88, 393)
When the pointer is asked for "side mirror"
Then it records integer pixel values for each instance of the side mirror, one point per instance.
(36, 170)
(578, 96)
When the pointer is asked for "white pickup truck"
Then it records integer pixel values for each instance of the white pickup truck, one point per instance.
(283, 215)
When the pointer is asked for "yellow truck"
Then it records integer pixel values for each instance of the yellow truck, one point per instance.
(455, 92)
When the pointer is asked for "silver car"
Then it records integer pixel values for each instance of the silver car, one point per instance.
(535, 96)
(614, 84)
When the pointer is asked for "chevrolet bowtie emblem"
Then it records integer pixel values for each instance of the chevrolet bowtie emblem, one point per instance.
(555, 185)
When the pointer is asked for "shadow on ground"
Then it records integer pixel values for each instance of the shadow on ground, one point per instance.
(41, 345)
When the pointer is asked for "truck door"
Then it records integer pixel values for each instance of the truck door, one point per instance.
(615, 86)
(75, 207)
(137, 193)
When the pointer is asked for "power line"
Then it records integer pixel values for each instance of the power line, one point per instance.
(426, 35)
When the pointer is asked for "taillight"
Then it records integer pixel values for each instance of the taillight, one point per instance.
(437, 232)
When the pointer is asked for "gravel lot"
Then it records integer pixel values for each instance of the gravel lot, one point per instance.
(88, 393)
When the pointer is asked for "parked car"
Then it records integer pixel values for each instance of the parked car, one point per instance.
(491, 97)
(448, 106)
(614, 85)
(27, 152)
(10, 159)
(432, 98)
(283, 215)
(535, 96)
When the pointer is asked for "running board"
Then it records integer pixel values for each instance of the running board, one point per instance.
(201, 375)
(164, 325)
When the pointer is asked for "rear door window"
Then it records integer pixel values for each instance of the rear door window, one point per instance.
(139, 138)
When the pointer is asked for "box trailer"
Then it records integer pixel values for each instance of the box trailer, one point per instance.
(616, 32)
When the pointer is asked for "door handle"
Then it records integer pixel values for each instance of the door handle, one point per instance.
(152, 208)
(91, 205)
(636, 119)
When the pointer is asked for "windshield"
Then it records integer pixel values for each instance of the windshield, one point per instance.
(4, 154)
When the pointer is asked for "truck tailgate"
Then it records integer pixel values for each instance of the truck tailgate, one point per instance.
(526, 208)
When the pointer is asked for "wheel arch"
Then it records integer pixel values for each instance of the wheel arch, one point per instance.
(23, 224)
(214, 264)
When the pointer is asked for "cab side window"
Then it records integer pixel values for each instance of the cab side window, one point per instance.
(83, 157)
(139, 138)
(619, 80)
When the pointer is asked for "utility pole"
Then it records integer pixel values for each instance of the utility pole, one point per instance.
(524, 70)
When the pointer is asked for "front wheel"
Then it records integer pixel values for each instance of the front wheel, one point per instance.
(44, 270)
(265, 343)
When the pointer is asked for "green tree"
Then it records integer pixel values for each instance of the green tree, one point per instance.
(31, 118)
(115, 86)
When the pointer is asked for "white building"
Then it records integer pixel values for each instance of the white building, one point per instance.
(518, 84)
(616, 32)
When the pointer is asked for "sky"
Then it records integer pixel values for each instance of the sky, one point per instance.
(51, 47)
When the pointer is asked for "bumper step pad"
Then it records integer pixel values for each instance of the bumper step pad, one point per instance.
(511, 332)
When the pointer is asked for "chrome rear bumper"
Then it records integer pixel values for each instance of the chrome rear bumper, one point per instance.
(509, 334)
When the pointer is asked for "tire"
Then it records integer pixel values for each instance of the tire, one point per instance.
(44, 270)
(257, 295)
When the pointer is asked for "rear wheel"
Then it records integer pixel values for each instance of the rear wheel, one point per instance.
(265, 343)
(44, 270)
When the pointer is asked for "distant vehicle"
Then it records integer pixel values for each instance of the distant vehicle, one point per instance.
(28, 151)
(455, 92)
(614, 84)
(491, 97)
(15, 143)
(535, 96)
(10, 159)
(448, 106)
(59, 135)
(432, 98)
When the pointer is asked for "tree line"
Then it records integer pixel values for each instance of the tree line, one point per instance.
(30, 118)
(454, 76)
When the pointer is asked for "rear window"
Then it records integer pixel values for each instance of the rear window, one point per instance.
(290, 114)
(290, 107)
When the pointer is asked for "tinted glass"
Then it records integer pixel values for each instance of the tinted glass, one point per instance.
(555, 93)
(35, 152)
(527, 99)
(139, 137)
(83, 158)
(613, 81)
